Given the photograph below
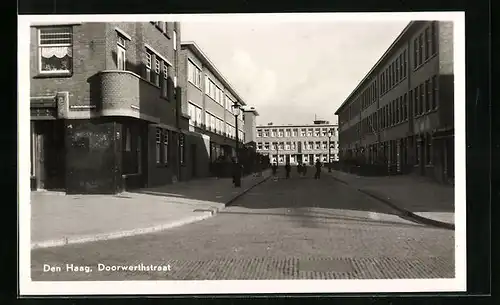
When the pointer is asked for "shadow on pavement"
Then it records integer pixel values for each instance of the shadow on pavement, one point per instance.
(312, 220)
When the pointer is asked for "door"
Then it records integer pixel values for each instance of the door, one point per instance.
(193, 160)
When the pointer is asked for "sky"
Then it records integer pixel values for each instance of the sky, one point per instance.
(292, 72)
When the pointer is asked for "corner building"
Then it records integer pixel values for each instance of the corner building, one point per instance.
(298, 143)
(402, 112)
(207, 102)
(105, 107)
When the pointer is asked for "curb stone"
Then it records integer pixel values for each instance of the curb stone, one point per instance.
(115, 235)
(140, 231)
(405, 213)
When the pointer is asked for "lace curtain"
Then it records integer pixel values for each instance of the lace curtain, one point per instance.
(59, 52)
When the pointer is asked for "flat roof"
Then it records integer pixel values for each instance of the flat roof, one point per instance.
(252, 109)
(295, 126)
(193, 47)
(383, 58)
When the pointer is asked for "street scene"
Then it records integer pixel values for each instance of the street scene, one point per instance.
(297, 228)
(166, 150)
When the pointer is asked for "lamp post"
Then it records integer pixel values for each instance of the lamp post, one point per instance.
(236, 112)
(237, 169)
(330, 134)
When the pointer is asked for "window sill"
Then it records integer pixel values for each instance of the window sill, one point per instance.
(54, 75)
(193, 85)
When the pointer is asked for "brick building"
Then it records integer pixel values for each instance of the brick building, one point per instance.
(105, 107)
(402, 112)
(298, 143)
(208, 99)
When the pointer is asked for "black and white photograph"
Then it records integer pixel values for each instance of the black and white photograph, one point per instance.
(278, 153)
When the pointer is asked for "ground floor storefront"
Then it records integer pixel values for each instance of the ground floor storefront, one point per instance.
(427, 154)
(111, 154)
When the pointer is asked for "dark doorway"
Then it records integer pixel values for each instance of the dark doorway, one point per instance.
(193, 161)
(48, 154)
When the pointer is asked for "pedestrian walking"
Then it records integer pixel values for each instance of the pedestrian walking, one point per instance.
(318, 165)
(304, 169)
(236, 173)
(288, 168)
(299, 168)
(275, 168)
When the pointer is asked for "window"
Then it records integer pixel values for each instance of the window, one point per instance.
(165, 146)
(288, 146)
(405, 61)
(421, 49)
(212, 122)
(207, 85)
(207, 120)
(317, 132)
(266, 133)
(139, 154)
(428, 91)
(428, 149)
(175, 39)
(198, 116)
(294, 132)
(55, 50)
(415, 53)
(157, 71)
(303, 132)
(428, 42)
(158, 145)
(259, 133)
(288, 132)
(182, 152)
(259, 145)
(294, 145)
(273, 133)
(127, 139)
(194, 74)
(417, 101)
(281, 145)
(318, 145)
(164, 86)
(280, 133)
(120, 53)
(405, 107)
(192, 114)
(309, 132)
(434, 37)
(266, 145)
(434, 92)
(149, 62)
(422, 98)
(325, 145)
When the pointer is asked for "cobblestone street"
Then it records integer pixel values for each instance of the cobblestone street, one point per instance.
(298, 228)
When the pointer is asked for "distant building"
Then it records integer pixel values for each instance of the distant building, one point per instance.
(298, 143)
(402, 112)
(250, 119)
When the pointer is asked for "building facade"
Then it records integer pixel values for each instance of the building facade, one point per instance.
(402, 112)
(207, 100)
(298, 143)
(105, 106)
(250, 115)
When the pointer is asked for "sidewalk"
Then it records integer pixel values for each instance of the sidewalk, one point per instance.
(415, 196)
(58, 219)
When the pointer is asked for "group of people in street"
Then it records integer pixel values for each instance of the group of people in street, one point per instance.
(301, 169)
